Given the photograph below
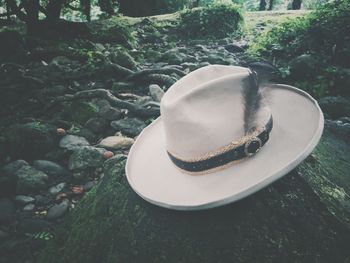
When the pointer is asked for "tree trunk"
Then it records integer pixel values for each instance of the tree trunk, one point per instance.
(270, 5)
(53, 10)
(262, 5)
(296, 4)
(106, 6)
(32, 10)
(303, 217)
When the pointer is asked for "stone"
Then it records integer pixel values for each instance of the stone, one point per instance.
(341, 129)
(51, 168)
(7, 210)
(116, 142)
(156, 92)
(86, 157)
(30, 141)
(34, 225)
(11, 168)
(345, 120)
(335, 107)
(130, 126)
(110, 113)
(54, 190)
(58, 210)
(30, 180)
(233, 48)
(24, 199)
(41, 200)
(143, 100)
(97, 125)
(72, 142)
(28, 207)
(7, 185)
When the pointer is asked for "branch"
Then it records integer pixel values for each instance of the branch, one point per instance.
(107, 95)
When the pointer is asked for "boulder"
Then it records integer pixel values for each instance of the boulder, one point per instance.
(58, 210)
(30, 140)
(51, 168)
(303, 66)
(97, 125)
(156, 92)
(303, 217)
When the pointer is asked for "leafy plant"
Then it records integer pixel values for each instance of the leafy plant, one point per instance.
(216, 20)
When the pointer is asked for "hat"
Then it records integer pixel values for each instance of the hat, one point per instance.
(220, 138)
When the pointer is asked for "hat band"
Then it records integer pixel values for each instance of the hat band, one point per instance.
(230, 153)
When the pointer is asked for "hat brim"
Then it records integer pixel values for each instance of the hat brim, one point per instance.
(298, 125)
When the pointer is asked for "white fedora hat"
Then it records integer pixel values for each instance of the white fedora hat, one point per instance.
(218, 140)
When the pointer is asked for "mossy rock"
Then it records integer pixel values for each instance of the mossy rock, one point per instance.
(303, 217)
(30, 140)
(80, 111)
(123, 58)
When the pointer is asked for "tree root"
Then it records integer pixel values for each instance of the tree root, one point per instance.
(114, 101)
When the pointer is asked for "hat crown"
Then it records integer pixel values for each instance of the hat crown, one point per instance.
(204, 111)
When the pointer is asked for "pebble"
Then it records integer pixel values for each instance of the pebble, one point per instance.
(24, 199)
(54, 190)
(130, 126)
(116, 142)
(71, 142)
(59, 210)
(86, 157)
(156, 92)
(28, 207)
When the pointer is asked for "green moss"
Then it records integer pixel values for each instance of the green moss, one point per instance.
(217, 20)
(286, 220)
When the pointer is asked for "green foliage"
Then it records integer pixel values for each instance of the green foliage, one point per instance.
(325, 35)
(217, 20)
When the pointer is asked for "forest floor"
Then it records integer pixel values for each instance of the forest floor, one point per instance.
(67, 105)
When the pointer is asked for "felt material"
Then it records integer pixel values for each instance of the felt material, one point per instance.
(297, 128)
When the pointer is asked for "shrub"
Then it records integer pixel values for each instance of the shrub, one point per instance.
(217, 20)
(324, 34)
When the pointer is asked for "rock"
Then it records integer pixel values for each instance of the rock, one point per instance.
(97, 125)
(7, 210)
(41, 200)
(224, 41)
(335, 107)
(72, 142)
(88, 186)
(233, 48)
(341, 129)
(59, 210)
(33, 225)
(130, 126)
(54, 190)
(61, 60)
(303, 66)
(156, 92)
(30, 180)
(109, 113)
(86, 157)
(287, 220)
(11, 168)
(24, 199)
(51, 168)
(31, 140)
(28, 207)
(116, 142)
